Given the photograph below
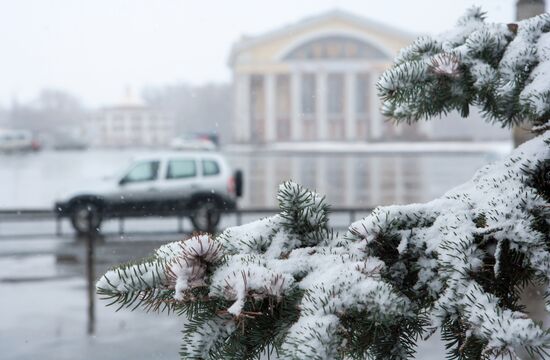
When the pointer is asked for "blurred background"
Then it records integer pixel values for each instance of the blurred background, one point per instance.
(282, 90)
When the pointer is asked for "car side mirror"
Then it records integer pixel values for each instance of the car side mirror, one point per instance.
(122, 181)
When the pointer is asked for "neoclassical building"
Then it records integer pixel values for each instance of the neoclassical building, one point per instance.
(314, 80)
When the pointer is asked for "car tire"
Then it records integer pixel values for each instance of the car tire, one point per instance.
(205, 216)
(82, 213)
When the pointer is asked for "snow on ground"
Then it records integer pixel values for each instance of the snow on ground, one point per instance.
(500, 147)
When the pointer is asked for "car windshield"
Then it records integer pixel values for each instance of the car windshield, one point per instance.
(142, 171)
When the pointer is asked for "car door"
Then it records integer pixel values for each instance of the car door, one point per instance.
(138, 190)
(180, 181)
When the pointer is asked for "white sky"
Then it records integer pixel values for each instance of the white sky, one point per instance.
(95, 48)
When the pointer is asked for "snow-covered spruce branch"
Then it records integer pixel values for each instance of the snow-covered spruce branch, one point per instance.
(457, 263)
(502, 68)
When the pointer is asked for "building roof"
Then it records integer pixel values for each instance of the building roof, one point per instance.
(248, 42)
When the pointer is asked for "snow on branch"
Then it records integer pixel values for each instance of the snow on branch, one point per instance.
(287, 286)
(502, 68)
(402, 270)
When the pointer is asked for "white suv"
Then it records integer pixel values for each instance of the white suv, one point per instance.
(198, 185)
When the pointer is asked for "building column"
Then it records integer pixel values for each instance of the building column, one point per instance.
(321, 174)
(375, 115)
(296, 106)
(399, 180)
(350, 189)
(270, 108)
(270, 183)
(375, 164)
(321, 105)
(295, 170)
(350, 106)
(241, 125)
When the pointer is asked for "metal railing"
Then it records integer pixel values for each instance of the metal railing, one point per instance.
(12, 216)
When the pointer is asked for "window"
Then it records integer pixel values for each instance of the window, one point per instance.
(283, 107)
(361, 101)
(143, 171)
(283, 96)
(335, 94)
(308, 93)
(257, 96)
(181, 169)
(257, 107)
(210, 168)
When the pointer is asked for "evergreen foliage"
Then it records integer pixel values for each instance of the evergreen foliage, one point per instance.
(501, 68)
(287, 287)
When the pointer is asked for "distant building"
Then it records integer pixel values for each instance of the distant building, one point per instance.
(314, 80)
(132, 124)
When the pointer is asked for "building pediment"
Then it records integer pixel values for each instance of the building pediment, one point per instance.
(334, 46)
(313, 38)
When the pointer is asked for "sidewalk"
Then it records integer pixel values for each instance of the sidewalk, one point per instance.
(43, 312)
(47, 320)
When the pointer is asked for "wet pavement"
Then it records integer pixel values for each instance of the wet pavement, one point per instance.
(43, 304)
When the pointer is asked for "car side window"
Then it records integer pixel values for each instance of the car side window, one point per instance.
(143, 171)
(181, 169)
(210, 168)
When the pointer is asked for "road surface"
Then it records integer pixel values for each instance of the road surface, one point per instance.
(43, 305)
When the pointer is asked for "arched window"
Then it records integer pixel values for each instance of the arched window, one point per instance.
(335, 47)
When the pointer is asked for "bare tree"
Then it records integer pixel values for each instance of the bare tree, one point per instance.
(205, 108)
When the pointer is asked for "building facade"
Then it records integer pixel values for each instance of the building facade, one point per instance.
(315, 81)
(132, 124)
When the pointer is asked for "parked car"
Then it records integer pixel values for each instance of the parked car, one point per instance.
(17, 140)
(193, 142)
(200, 185)
(66, 140)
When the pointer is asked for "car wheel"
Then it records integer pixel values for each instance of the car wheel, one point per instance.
(206, 216)
(82, 214)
